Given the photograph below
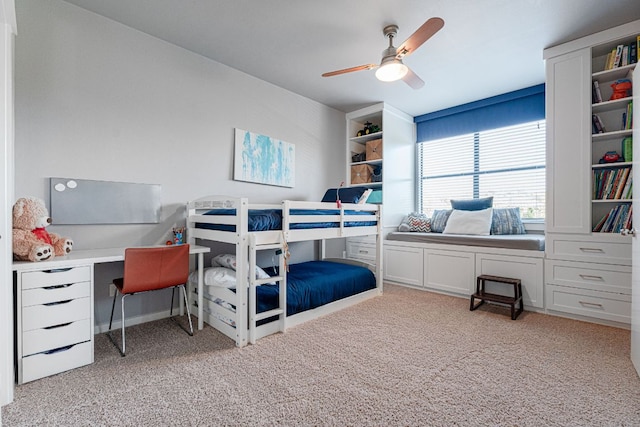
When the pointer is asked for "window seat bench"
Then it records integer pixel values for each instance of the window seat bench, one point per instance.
(450, 263)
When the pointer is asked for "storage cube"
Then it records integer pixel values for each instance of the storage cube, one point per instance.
(374, 149)
(361, 174)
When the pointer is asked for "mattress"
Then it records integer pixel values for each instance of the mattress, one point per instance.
(532, 242)
(315, 283)
(271, 219)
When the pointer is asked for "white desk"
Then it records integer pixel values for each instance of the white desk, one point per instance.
(97, 256)
(54, 310)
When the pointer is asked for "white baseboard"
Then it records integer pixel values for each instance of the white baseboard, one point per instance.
(131, 321)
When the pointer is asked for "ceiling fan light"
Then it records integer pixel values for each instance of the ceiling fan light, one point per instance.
(391, 71)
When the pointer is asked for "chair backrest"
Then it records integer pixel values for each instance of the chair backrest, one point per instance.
(147, 269)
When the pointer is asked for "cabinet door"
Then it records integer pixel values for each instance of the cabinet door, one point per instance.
(449, 271)
(403, 265)
(568, 102)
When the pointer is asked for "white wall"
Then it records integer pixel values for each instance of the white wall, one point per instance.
(98, 100)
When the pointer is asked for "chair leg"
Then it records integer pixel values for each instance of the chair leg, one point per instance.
(112, 307)
(121, 351)
(184, 292)
(173, 291)
(123, 339)
(186, 303)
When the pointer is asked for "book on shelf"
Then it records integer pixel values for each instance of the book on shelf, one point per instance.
(618, 56)
(598, 226)
(598, 126)
(624, 175)
(616, 219)
(628, 122)
(606, 227)
(610, 58)
(597, 94)
(627, 192)
(633, 53)
(627, 149)
(628, 219)
(625, 56)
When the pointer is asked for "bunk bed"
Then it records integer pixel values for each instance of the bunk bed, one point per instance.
(239, 311)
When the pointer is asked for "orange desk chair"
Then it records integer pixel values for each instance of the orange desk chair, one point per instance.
(150, 269)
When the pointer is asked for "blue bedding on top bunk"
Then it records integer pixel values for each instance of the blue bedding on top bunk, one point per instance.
(271, 219)
(315, 283)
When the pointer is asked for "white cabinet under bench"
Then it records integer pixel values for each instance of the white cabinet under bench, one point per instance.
(54, 319)
(453, 268)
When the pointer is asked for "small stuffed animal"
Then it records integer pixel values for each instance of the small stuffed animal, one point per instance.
(621, 89)
(31, 242)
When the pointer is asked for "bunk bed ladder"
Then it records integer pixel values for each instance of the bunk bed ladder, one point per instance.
(281, 279)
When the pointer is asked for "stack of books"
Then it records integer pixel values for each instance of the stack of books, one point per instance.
(612, 184)
(617, 219)
(623, 54)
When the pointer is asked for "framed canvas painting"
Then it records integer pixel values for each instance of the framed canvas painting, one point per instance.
(263, 160)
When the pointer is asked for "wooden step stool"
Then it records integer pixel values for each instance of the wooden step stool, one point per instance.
(485, 296)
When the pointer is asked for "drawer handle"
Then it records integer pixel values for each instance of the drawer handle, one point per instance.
(57, 270)
(58, 326)
(58, 350)
(58, 302)
(589, 277)
(592, 304)
(363, 252)
(48, 288)
(592, 250)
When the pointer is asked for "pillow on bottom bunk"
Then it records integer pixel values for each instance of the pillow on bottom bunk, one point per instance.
(229, 261)
(221, 277)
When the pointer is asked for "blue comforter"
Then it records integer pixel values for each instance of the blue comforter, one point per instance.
(315, 283)
(271, 219)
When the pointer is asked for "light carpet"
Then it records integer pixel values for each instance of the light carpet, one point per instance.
(407, 358)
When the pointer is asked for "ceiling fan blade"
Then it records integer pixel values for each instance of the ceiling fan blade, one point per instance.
(421, 35)
(350, 70)
(413, 80)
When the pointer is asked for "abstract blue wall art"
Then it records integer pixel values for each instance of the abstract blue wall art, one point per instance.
(264, 160)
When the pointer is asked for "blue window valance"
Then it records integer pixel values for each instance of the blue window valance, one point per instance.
(520, 106)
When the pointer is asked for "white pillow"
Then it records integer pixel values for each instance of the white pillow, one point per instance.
(469, 222)
(221, 277)
(229, 261)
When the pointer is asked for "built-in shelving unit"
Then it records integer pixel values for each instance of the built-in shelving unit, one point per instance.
(608, 204)
(389, 167)
(587, 265)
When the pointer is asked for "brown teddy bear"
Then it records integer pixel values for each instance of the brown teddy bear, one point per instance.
(31, 242)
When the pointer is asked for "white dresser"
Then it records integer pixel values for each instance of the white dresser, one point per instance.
(54, 319)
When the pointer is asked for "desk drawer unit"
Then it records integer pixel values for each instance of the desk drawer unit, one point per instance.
(55, 321)
(55, 361)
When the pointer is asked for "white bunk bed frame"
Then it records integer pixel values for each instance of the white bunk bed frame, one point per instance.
(248, 243)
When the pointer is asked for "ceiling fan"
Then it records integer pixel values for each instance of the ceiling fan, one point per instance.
(391, 67)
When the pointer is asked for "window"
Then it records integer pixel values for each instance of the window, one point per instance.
(507, 163)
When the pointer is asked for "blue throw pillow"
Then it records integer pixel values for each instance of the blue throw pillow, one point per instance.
(439, 220)
(507, 221)
(472, 204)
(347, 194)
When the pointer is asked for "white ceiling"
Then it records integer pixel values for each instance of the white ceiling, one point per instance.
(486, 47)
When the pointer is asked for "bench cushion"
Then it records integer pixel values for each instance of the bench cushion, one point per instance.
(530, 242)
